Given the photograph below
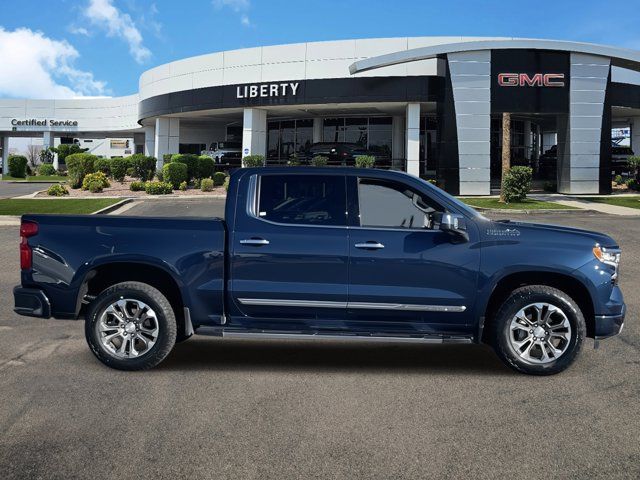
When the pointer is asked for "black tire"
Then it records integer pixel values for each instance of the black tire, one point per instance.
(166, 323)
(519, 299)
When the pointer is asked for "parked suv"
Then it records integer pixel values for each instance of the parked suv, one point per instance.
(225, 153)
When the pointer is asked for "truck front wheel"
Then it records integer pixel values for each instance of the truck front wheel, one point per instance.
(130, 326)
(538, 330)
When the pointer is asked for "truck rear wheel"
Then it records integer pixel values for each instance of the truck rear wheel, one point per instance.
(538, 330)
(130, 326)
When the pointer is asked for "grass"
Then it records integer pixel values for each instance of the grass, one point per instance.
(36, 178)
(528, 204)
(54, 205)
(631, 202)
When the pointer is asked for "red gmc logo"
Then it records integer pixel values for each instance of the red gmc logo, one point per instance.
(536, 80)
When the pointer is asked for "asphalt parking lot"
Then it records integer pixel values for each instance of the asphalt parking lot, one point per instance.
(289, 409)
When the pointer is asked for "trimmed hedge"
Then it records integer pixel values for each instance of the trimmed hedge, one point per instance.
(119, 168)
(253, 161)
(175, 173)
(144, 167)
(365, 161)
(183, 186)
(57, 190)
(18, 166)
(206, 185)
(103, 165)
(78, 166)
(206, 166)
(158, 188)
(137, 186)
(191, 161)
(92, 179)
(46, 169)
(219, 178)
(517, 184)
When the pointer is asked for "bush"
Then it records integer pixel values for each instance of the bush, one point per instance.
(632, 184)
(183, 186)
(94, 186)
(196, 182)
(206, 185)
(191, 161)
(67, 149)
(253, 161)
(618, 180)
(98, 178)
(365, 161)
(119, 168)
(18, 166)
(57, 190)
(46, 155)
(137, 186)
(226, 184)
(144, 167)
(294, 160)
(103, 165)
(175, 173)
(166, 158)
(634, 166)
(158, 188)
(79, 165)
(130, 172)
(206, 166)
(517, 184)
(46, 169)
(219, 178)
(319, 161)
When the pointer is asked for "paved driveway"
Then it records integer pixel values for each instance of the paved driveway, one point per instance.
(291, 409)
(172, 207)
(8, 189)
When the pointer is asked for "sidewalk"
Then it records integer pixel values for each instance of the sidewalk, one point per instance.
(577, 202)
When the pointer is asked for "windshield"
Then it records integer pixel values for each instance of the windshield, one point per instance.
(222, 145)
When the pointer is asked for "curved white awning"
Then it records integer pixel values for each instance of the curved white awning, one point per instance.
(620, 57)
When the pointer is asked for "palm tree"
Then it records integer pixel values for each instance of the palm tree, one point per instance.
(506, 150)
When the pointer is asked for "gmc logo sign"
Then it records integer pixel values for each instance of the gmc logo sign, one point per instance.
(536, 80)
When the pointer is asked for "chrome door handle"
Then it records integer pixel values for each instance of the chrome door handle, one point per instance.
(370, 245)
(254, 241)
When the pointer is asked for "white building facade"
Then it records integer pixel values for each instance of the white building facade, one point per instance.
(427, 105)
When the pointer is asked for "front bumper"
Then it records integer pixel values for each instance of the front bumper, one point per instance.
(609, 325)
(31, 302)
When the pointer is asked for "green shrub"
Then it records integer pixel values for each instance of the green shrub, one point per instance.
(137, 186)
(46, 169)
(517, 184)
(47, 155)
(183, 186)
(618, 180)
(634, 165)
(253, 161)
(206, 166)
(57, 190)
(166, 158)
(159, 175)
(191, 161)
(79, 165)
(18, 166)
(632, 184)
(103, 165)
(219, 178)
(319, 161)
(94, 186)
(158, 188)
(226, 184)
(206, 185)
(294, 160)
(143, 167)
(175, 173)
(97, 178)
(67, 149)
(196, 182)
(365, 161)
(119, 168)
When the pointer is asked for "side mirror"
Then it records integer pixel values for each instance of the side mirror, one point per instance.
(454, 225)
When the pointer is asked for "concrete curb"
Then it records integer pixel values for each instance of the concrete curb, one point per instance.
(112, 208)
(9, 221)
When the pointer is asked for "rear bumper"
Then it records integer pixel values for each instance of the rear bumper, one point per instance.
(31, 302)
(609, 325)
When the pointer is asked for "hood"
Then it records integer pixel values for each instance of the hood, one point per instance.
(549, 230)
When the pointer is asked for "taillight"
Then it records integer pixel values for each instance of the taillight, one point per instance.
(27, 229)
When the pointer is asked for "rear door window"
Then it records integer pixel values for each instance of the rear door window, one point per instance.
(303, 199)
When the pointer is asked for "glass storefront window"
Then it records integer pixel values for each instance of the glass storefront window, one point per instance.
(355, 131)
(333, 130)
(304, 135)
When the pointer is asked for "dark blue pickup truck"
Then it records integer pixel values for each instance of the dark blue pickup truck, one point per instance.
(309, 252)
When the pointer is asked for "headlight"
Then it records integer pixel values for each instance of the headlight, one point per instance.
(608, 256)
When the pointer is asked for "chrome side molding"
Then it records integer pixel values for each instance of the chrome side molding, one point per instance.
(356, 305)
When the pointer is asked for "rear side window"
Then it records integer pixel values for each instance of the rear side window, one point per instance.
(303, 199)
(389, 204)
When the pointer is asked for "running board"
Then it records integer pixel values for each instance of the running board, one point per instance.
(218, 332)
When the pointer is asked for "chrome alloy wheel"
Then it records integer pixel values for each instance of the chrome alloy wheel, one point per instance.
(540, 333)
(128, 328)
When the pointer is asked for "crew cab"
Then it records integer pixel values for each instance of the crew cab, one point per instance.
(324, 253)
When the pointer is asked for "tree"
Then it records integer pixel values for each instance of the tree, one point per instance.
(33, 154)
(506, 151)
(66, 149)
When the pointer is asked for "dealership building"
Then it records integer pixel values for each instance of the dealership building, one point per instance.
(431, 106)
